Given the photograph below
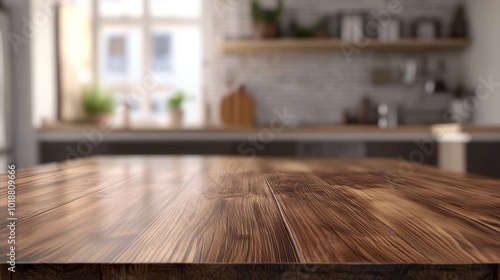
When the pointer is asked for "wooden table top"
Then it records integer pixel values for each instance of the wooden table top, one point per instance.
(253, 210)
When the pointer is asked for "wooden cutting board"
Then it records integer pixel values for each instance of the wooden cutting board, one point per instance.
(238, 109)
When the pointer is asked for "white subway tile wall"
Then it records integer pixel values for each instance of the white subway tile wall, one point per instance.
(318, 87)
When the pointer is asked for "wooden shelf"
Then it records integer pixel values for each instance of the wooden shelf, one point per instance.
(299, 45)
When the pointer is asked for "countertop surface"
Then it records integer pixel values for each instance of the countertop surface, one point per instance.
(76, 127)
(340, 128)
(210, 210)
(60, 132)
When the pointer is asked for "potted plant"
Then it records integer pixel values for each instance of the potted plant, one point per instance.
(458, 106)
(175, 111)
(318, 30)
(266, 21)
(98, 103)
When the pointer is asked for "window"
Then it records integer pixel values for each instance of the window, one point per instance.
(175, 8)
(152, 47)
(161, 59)
(120, 8)
(120, 56)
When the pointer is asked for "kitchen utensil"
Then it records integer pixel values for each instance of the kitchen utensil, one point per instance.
(352, 27)
(427, 28)
(435, 78)
(389, 30)
(238, 108)
(363, 110)
(409, 71)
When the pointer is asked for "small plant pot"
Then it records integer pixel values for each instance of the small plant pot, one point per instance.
(323, 34)
(100, 118)
(176, 117)
(265, 29)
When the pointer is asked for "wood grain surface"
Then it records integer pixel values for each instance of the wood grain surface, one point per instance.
(238, 109)
(315, 45)
(243, 210)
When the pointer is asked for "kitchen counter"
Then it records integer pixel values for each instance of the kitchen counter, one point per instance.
(444, 132)
(230, 217)
(461, 148)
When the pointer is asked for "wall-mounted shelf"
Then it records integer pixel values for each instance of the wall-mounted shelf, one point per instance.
(280, 45)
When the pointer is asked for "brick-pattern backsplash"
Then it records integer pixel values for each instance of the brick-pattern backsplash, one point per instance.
(318, 87)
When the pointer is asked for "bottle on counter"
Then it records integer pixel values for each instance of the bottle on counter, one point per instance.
(363, 110)
(387, 116)
(459, 25)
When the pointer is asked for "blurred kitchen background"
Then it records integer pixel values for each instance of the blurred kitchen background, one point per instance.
(414, 80)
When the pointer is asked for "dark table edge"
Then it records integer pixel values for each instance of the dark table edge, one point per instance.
(190, 271)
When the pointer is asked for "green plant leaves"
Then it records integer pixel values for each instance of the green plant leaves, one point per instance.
(261, 14)
(177, 100)
(98, 101)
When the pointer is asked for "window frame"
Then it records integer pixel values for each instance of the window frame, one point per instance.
(146, 23)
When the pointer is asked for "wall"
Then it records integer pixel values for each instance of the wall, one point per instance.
(43, 52)
(33, 80)
(317, 87)
(24, 135)
(5, 93)
(483, 58)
